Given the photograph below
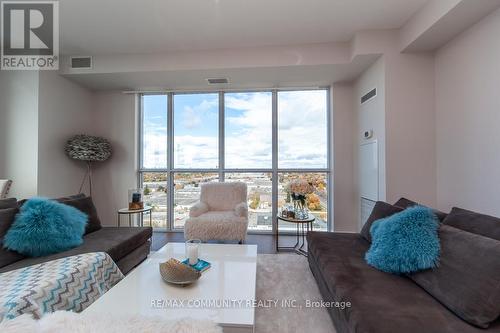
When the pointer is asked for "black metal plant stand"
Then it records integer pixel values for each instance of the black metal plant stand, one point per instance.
(303, 227)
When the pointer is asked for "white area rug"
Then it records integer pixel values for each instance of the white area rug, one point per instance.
(288, 277)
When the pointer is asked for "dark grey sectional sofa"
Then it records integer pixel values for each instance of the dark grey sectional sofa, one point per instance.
(383, 302)
(127, 246)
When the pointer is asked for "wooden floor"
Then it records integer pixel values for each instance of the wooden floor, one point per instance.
(265, 243)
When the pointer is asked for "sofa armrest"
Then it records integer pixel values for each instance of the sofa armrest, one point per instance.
(198, 209)
(241, 209)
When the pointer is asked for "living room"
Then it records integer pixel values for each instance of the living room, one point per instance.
(235, 166)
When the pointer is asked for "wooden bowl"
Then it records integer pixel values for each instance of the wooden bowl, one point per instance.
(175, 272)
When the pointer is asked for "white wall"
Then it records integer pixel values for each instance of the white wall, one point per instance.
(410, 127)
(468, 119)
(65, 109)
(345, 212)
(371, 116)
(19, 131)
(115, 120)
(39, 112)
(402, 118)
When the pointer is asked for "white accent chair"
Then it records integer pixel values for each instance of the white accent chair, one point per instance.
(221, 213)
(4, 188)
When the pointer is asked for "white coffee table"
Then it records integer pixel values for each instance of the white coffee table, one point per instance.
(225, 293)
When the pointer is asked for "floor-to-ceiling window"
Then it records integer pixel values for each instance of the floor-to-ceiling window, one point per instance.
(263, 138)
(303, 148)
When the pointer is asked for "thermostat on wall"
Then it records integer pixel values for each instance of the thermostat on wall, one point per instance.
(368, 134)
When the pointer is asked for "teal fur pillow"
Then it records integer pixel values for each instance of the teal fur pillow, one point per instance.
(44, 227)
(405, 242)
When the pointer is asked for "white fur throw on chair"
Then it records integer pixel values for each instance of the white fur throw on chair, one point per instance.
(66, 321)
(221, 213)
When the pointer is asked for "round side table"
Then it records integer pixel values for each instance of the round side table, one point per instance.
(130, 212)
(303, 227)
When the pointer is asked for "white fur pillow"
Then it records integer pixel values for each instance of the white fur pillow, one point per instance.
(65, 321)
(241, 209)
(198, 209)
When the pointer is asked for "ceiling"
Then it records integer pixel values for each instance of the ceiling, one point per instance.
(239, 78)
(95, 27)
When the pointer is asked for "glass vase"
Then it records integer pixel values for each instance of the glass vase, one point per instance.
(135, 199)
(299, 206)
(193, 251)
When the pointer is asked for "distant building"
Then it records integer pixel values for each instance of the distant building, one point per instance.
(264, 219)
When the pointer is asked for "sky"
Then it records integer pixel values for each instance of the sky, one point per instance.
(302, 130)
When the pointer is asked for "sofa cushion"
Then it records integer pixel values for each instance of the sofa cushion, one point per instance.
(405, 242)
(473, 222)
(7, 216)
(381, 302)
(380, 211)
(8, 203)
(116, 241)
(405, 203)
(7, 257)
(45, 227)
(85, 205)
(71, 197)
(20, 203)
(467, 279)
(134, 258)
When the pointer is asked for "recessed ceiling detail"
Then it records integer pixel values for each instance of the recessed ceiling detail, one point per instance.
(131, 26)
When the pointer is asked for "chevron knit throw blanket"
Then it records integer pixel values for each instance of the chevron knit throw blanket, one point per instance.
(71, 283)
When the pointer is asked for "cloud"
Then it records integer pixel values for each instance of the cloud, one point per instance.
(191, 119)
(302, 135)
(196, 152)
(302, 130)
(249, 130)
(155, 150)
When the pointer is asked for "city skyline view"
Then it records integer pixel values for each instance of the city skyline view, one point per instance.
(248, 133)
(187, 190)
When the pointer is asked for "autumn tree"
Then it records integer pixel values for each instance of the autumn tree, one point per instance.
(313, 202)
(255, 201)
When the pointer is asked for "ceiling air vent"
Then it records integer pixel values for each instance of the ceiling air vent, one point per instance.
(369, 95)
(81, 62)
(218, 80)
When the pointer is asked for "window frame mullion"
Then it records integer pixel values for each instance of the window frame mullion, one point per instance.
(222, 154)
(274, 157)
(170, 161)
